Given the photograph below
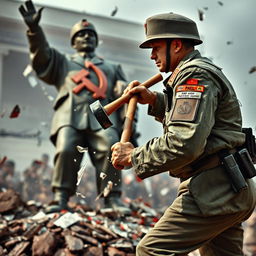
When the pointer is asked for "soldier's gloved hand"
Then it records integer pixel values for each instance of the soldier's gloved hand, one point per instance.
(31, 16)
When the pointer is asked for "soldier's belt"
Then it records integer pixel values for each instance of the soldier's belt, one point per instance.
(236, 162)
(201, 165)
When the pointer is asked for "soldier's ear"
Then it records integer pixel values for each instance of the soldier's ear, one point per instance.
(177, 45)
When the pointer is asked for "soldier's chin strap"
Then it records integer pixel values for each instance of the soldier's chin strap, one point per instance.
(168, 55)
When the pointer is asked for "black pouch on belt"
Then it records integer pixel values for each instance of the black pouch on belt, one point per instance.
(236, 177)
(250, 143)
(245, 162)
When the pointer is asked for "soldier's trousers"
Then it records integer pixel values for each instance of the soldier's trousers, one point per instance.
(67, 158)
(211, 223)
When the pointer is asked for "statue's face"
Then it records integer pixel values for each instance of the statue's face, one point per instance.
(85, 41)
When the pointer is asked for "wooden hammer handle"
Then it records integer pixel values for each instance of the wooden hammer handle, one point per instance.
(129, 117)
(114, 105)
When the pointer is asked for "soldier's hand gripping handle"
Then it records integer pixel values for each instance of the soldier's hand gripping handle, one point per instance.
(30, 15)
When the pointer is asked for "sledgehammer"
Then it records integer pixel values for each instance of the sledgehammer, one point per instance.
(101, 113)
(129, 117)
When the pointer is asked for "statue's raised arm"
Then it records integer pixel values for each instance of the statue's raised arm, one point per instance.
(30, 15)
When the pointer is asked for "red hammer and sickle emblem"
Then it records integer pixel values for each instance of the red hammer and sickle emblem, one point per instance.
(80, 78)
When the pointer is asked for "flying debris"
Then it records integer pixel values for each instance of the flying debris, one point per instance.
(44, 124)
(81, 149)
(220, 3)
(80, 174)
(28, 73)
(15, 112)
(201, 15)
(80, 194)
(105, 191)
(28, 70)
(50, 98)
(229, 42)
(2, 113)
(253, 69)
(2, 161)
(108, 188)
(33, 82)
(113, 13)
(205, 8)
(103, 175)
(164, 191)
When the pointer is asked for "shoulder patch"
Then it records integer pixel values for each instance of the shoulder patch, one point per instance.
(187, 97)
(185, 110)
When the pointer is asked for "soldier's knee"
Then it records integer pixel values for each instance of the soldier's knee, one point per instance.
(143, 249)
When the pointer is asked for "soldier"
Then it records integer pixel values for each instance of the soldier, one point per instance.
(80, 79)
(202, 130)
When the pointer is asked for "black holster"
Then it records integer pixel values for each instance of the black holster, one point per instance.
(250, 144)
(236, 177)
(239, 166)
(246, 164)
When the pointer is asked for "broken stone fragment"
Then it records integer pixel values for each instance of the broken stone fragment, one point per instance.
(74, 244)
(19, 249)
(9, 200)
(44, 245)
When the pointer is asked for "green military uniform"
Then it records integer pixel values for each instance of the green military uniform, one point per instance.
(73, 122)
(200, 119)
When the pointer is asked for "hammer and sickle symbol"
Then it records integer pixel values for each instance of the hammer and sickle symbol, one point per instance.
(80, 78)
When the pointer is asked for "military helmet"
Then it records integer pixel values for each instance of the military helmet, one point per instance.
(80, 26)
(170, 25)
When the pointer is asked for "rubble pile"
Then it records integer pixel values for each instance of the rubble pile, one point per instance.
(26, 230)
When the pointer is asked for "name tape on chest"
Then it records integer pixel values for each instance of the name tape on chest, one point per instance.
(188, 95)
(187, 102)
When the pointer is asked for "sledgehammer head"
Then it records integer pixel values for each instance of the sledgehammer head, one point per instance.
(100, 114)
